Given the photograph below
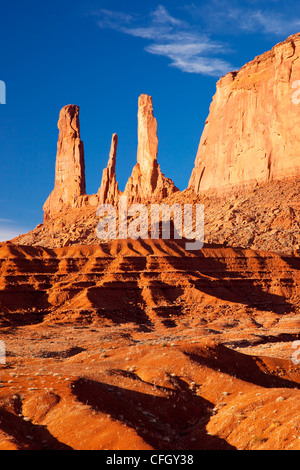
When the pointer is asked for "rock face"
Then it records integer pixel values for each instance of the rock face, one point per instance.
(147, 183)
(109, 191)
(252, 131)
(70, 166)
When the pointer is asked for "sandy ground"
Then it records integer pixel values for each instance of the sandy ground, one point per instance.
(145, 346)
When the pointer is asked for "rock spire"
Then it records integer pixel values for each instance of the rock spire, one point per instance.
(70, 166)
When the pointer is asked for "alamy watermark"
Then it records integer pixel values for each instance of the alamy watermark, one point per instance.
(296, 94)
(296, 353)
(154, 221)
(2, 353)
(2, 92)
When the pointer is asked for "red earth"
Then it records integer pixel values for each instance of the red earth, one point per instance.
(140, 344)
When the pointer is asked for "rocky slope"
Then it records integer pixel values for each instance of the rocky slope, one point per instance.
(266, 217)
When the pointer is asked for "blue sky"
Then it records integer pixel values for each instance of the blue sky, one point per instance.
(101, 55)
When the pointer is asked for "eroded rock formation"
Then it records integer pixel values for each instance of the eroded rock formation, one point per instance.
(147, 183)
(70, 166)
(252, 131)
(109, 190)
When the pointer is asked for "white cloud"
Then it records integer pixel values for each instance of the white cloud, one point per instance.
(112, 19)
(8, 233)
(186, 58)
(6, 220)
(188, 45)
(187, 48)
(273, 23)
(9, 229)
(223, 15)
(161, 15)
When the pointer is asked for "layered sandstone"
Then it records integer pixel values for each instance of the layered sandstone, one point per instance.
(148, 347)
(252, 131)
(70, 166)
(109, 191)
(147, 183)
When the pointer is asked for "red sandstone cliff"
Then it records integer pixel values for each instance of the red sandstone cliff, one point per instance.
(252, 132)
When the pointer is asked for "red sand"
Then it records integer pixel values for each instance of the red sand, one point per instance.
(142, 345)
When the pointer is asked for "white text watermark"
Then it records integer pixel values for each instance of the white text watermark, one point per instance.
(2, 92)
(296, 94)
(154, 221)
(296, 353)
(2, 353)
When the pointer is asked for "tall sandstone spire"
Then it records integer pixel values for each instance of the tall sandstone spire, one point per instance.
(109, 191)
(252, 132)
(70, 166)
(147, 183)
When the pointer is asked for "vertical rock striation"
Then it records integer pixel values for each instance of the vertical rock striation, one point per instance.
(252, 131)
(147, 183)
(109, 191)
(70, 166)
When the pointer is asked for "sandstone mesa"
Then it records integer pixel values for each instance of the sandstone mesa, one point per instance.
(251, 134)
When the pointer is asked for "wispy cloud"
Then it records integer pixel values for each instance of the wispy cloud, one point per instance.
(270, 22)
(188, 43)
(7, 233)
(112, 19)
(188, 49)
(222, 15)
(9, 229)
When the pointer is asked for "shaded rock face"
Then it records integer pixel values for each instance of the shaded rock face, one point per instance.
(109, 191)
(70, 166)
(147, 183)
(252, 131)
